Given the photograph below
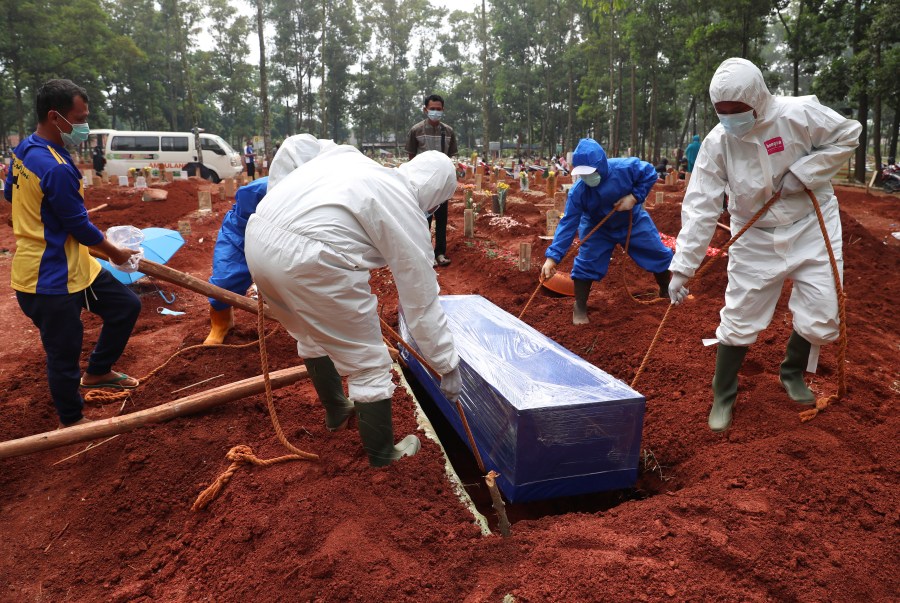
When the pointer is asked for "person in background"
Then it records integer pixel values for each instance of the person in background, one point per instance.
(250, 160)
(691, 152)
(53, 274)
(229, 269)
(98, 158)
(310, 247)
(766, 145)
(607, 185)
(432, 134)
(662, 168)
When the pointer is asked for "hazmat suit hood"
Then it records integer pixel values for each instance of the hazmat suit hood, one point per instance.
(590, 153)
(696, 138)
(294, 152)
(739, 80)
(431, 177)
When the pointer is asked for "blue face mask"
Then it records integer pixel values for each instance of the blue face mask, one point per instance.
(78, 135)
(592, 179)
(435, 115)
(737, 124)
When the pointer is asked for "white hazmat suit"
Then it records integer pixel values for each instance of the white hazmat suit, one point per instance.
(794, 135)
(316, 236)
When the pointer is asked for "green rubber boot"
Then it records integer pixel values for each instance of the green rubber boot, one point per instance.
(725, 385)
(792, 368)
(582, 291)
(376, 430)
(325, 378)
(662, 279)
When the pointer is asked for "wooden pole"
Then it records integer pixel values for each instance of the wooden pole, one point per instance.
(170, 275)
(158, 414)
(524, 257)
(469, 224)
(98, 208)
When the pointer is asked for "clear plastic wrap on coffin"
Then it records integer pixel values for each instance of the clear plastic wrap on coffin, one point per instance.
(549, 422)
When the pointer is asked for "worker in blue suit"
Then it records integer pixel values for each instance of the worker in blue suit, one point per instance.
(607, 185)
(229, 270)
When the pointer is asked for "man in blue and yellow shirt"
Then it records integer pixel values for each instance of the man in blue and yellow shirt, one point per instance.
(53, 274)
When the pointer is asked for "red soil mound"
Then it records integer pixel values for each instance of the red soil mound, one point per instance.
(772, 510)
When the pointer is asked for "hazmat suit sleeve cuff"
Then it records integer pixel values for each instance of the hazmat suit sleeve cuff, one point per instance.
(679, 266)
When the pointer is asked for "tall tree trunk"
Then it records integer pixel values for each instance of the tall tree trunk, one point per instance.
(634, 130)
(895, 130)
(324, 90)
(485, 109)
(654, 132)
(264, 84)
(20, 106)
(859, 171)
(569, 143)
(193, 113)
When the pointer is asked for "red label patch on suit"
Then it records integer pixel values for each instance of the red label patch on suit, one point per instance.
(774, 145)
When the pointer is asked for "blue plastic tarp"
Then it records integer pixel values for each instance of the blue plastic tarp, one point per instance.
(549, 422)
(159, 245)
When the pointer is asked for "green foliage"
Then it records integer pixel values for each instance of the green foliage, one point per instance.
(623, 71)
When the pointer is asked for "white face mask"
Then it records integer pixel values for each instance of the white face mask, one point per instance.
(435, 115)
(592, 179)
(737, 124)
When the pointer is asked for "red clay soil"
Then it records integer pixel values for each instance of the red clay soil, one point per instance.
(774, 509)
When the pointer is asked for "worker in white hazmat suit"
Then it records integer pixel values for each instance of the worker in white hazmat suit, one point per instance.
(310, 247)
(229, 269)
(766, 145)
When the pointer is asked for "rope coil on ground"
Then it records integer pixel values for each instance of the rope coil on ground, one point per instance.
(242, 454)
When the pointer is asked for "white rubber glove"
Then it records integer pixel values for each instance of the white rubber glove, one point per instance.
(548, 269)
(451, 385)
(626, 203)
(677, 291)
(791, 185)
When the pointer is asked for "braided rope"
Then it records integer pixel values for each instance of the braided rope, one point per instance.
(822, 403)
(645, 302)
(242, 454)
(430, 369)
(703, 270)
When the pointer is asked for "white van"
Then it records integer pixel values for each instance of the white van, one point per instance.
(171, 151)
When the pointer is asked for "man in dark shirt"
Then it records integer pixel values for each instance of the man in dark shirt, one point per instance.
(431, 134)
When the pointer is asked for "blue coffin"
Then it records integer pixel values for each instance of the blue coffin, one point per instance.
(549, 422)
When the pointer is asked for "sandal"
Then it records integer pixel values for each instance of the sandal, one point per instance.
(442, 260)
(114, 383)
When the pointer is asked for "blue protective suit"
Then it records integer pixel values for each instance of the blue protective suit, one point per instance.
(692, 151)
(586, 206)
(229, 269)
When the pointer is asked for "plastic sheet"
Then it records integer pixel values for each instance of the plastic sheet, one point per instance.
(549, 422)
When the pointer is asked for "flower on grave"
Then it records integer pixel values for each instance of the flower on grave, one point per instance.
(468, 196)
(523, 180)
